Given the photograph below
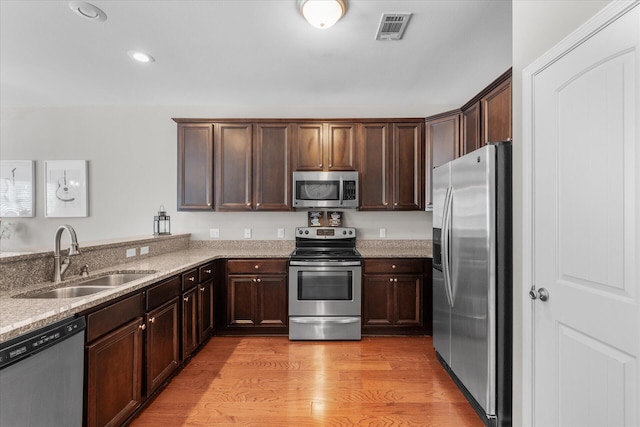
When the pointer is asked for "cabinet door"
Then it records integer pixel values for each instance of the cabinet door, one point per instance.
(375, 166)
(377, 297)
(114, 375)
(189, 322)
(271, 301)
(272, 167)
(309, 147)
(163, 344)
(470, 129)
(195, 166)
(443, 145)
(496, 114)
(205, 310)
(241, 300)
(341, 147)
(408, 163)
(408, 300)
(233, 164)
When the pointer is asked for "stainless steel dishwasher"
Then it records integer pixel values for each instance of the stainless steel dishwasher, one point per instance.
(41, 376)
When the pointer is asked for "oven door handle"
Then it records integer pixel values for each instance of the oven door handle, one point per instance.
(343, 320)
(326, 263)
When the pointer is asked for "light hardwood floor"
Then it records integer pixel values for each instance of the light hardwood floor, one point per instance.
(271, 381)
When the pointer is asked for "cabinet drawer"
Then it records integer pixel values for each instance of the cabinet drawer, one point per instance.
(393, 265)
(253, 266)
(113, 316)
(189, 279)
(206, 272)
(163, 292)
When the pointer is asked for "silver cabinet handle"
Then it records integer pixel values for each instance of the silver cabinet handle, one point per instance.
(542, 293)
(152, 320)
(186, 299)
(142, 327)
(201, 289)
(191, 279)
(208, 271)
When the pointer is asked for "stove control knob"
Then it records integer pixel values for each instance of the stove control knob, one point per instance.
(344, 231)
(350, 232)
(306, 231)
(300, 232)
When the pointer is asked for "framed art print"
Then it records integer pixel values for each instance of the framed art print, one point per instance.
(66, 189)
(16, 188)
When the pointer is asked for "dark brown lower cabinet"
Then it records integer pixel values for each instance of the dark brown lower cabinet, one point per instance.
(114, 379)
(189, 322)
(205, 310)
(257, 302)
(197, 308)
(162, 344)
(257, 295)
(392, 295)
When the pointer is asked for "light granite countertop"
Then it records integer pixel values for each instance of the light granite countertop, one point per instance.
(22, 315)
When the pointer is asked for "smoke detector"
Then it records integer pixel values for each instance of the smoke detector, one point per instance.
(392, 26)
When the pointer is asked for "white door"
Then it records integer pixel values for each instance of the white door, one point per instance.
(582, 225)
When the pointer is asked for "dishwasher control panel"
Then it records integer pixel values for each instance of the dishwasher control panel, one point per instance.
(33, 342)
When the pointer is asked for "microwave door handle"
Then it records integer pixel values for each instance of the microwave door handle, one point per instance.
(341, 190)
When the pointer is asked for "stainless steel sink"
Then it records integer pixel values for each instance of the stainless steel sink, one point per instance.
(88, 287)
(70, 292)
(110, 280)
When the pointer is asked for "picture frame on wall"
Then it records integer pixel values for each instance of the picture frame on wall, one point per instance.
(66, 188)
(17, 188)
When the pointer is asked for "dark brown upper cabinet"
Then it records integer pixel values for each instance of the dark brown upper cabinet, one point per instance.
(325, 146)
(195, 166)
(485, 119)
(272, 167)
(391, 166)
(252, 162)
(233, 144)
(496, 114)
(442, 144)
(470, 129)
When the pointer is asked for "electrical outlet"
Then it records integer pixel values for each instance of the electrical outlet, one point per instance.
(144, 250)
(131, 252)
(383, 232)
(280, 233)
(247, 233)
(214, 233)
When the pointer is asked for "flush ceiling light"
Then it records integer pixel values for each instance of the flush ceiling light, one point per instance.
(322, 13)
(87, 10)
(140, 56)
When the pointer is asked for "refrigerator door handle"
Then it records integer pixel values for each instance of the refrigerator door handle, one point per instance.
(446, 226)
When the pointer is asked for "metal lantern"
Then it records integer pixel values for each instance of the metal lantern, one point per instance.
(161, 223)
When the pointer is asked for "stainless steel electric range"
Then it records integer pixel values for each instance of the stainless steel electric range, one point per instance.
(325, 285)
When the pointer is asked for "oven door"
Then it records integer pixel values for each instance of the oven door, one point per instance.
(325, 288)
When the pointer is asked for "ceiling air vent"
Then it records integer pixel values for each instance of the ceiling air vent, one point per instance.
(392, 26)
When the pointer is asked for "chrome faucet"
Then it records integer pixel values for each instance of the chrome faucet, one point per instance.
(58, 268)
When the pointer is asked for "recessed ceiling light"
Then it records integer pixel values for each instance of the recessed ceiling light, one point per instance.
(87, 10)
(140, 56)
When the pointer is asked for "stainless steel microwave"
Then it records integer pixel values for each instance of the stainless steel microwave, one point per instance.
(337, 189)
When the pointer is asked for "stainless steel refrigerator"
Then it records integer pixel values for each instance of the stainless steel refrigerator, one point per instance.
(472, 277)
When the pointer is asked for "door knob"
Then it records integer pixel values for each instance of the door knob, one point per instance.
(542, 293)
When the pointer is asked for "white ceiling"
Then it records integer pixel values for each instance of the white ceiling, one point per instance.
(258, 52)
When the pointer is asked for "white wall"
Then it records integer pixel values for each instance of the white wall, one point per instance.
(537, 26)
(133, 166)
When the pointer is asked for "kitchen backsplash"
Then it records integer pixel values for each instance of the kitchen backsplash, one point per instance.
(24, 270)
